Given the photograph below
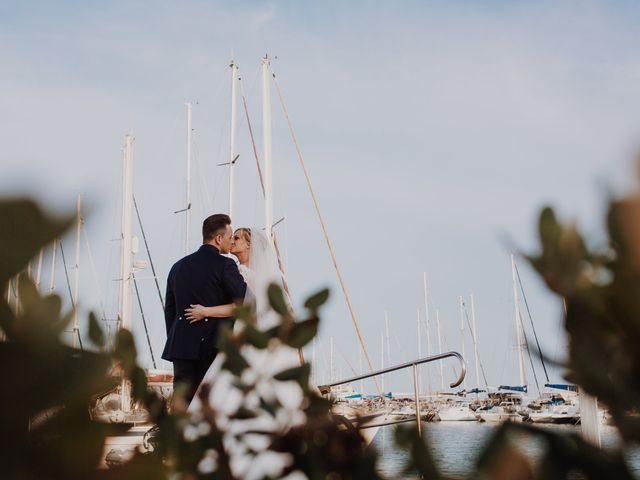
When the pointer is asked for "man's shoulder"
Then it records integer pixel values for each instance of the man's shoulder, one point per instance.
(228, 261)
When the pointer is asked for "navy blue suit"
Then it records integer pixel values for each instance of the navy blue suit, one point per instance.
(207, 278)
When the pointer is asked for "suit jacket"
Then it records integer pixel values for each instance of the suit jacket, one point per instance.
(207, 278)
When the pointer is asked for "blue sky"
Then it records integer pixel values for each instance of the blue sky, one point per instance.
(431, 130)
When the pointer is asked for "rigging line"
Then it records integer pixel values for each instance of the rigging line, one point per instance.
(73, 303)
(13, 288)
(202, 176)
(324, 229)
(446, 349)
(341, 353)
(66, 273)
(526, 344)
(253, 141)
(466, 315)
(429, 353)
(144, 321)
(526, 304)
(79, 338)
(146, 246)
(94, 273)
(403, 357)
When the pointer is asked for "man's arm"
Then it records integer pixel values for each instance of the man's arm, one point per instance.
(169, 303)
(233, 282)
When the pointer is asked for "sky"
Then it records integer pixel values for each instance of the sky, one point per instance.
(434, 133)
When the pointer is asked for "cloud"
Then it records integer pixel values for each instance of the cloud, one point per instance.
(263, 16)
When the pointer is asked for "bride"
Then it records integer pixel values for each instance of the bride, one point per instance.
(259, 268)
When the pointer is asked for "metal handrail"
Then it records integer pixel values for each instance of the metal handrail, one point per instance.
(432, 358)
(324, 389)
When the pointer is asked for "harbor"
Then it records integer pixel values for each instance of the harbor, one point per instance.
(456, 446)
(343, 240)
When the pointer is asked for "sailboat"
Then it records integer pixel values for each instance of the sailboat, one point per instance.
(507, 403)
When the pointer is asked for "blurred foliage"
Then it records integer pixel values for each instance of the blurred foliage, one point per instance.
(48, 432)
(47, 385)
(601, 294)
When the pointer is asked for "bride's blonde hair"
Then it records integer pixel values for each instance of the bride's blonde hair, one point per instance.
(246, 234)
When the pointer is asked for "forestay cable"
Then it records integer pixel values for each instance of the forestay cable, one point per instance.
(144, 321)
(146, 246)
(324, 230)
(73, 302)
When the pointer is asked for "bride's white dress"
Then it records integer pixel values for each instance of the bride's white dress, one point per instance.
(225, 398)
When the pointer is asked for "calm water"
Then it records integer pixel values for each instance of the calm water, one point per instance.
(456, 445)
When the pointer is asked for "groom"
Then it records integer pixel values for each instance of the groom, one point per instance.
(208, 278)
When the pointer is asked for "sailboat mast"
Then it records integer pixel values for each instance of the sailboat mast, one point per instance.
(386, 330)
(419, 346)
(232, 149)
(39, 268)
(475, 342)
(187, 238)
(440, 350)
(464, 384)
(314, 369)
(266, 146)
(426, 318)
(332, 376)
(361, 371)
(126, 278)
(126, 292)
(518, 320)
(52, 279)
(76, 283)
(382, 359)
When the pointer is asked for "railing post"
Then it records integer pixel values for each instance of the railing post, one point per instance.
(416, 399)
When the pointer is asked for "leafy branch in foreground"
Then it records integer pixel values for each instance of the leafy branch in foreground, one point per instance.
(48, 432)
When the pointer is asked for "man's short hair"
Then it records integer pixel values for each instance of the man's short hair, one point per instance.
(214, 225)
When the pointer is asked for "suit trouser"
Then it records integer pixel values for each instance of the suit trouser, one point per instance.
(191, 373)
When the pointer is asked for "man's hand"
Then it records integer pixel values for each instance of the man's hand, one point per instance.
(195, 313)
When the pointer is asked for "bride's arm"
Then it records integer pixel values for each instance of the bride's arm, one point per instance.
(198, 312)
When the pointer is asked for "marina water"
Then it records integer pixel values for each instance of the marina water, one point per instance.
(455, 446)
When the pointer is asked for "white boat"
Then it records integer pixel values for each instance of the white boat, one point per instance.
(505, 412)
(458, 412)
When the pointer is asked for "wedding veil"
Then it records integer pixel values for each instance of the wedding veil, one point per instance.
(263, 270)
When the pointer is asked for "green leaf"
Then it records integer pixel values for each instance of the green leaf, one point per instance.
(270, 407)
(420, 460)
(27, 292)
(95, 331)
(234, 362)
(244, 388)
(303, 332)
(255, 337)
(549, 230)
(276, 299)
(296, 373)
(25, 229)
(243, 312)
(126, 349)
(316, 300)
(244, 413)
(7, 319)
(138, 383)
(273, 332)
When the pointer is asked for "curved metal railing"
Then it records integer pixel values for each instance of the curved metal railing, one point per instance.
(325, 389)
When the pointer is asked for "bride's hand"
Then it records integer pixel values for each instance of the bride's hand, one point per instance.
(195, 313)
